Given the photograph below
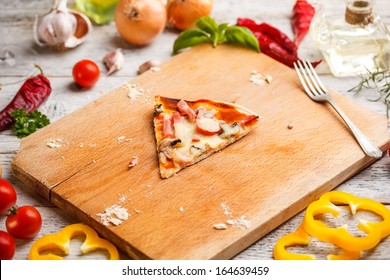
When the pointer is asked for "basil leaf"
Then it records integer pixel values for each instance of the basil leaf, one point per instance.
(210, 32)
(243, 36)
(190, 38)
(222, 28)
(221, 33)
(208, 25)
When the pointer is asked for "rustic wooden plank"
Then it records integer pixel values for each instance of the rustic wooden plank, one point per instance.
(20, 14)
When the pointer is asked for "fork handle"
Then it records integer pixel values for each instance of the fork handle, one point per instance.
(368, 147)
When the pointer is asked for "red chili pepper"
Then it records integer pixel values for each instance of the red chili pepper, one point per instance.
(32, 93)
(279, 37)
(274, 50)
(273, 42)
(303, 13)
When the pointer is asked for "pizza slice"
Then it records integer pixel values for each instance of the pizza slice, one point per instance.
(189, 131)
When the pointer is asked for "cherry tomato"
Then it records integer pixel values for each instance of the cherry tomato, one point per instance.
(7, 246)
(86, 73)
(7, 196)
(24, 222)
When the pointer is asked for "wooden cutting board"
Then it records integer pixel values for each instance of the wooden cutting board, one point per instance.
(257, 183)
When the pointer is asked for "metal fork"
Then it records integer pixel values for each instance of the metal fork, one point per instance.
(317, 92)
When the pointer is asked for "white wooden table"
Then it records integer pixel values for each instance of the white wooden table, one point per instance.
(17, 16)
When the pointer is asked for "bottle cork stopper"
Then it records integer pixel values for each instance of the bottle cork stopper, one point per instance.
(359, 13)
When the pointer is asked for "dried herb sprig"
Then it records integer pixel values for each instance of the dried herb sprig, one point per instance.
(377, 79)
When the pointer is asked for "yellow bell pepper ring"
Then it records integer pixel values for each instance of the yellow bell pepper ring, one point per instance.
(300, 237)
(341, 237)
(43, 248)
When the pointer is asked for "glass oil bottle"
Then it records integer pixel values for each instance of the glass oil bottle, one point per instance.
(354, 43)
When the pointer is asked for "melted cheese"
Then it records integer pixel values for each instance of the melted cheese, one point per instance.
(186, 132)
(213, 141)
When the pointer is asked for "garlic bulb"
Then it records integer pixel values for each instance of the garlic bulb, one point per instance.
(61, 28)
(113, 61)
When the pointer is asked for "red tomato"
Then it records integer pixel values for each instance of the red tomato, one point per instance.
(7, 196)
(24, 222)
(86, 73)
(7, 246)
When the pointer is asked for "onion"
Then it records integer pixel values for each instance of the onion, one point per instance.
(139, 22)
(182, 14)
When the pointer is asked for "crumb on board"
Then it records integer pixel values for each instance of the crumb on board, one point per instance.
(134, 91)
(220, 226)
(113, 215)
(241, 222)
(260, 79)
(134, 161)
(122, 198)
(226, 209)
(181, 209)
(58, 143)
(123, 138)
(54, 143)
(290, 126)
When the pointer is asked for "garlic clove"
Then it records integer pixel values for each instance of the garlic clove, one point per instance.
(83, 28)
(113, 61)
(150, 64)
(64, 26)
(61, 28)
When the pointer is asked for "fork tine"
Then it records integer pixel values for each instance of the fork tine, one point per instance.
(313, 78)
(303, 83)
(305, 80)
(321, 85)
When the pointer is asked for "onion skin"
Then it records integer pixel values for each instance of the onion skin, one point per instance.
(139, 22)
(182, 14)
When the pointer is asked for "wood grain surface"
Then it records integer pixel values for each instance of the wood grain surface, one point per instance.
(277, 171)
(17, 18)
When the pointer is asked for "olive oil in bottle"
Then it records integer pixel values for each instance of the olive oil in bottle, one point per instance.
(353, 43)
